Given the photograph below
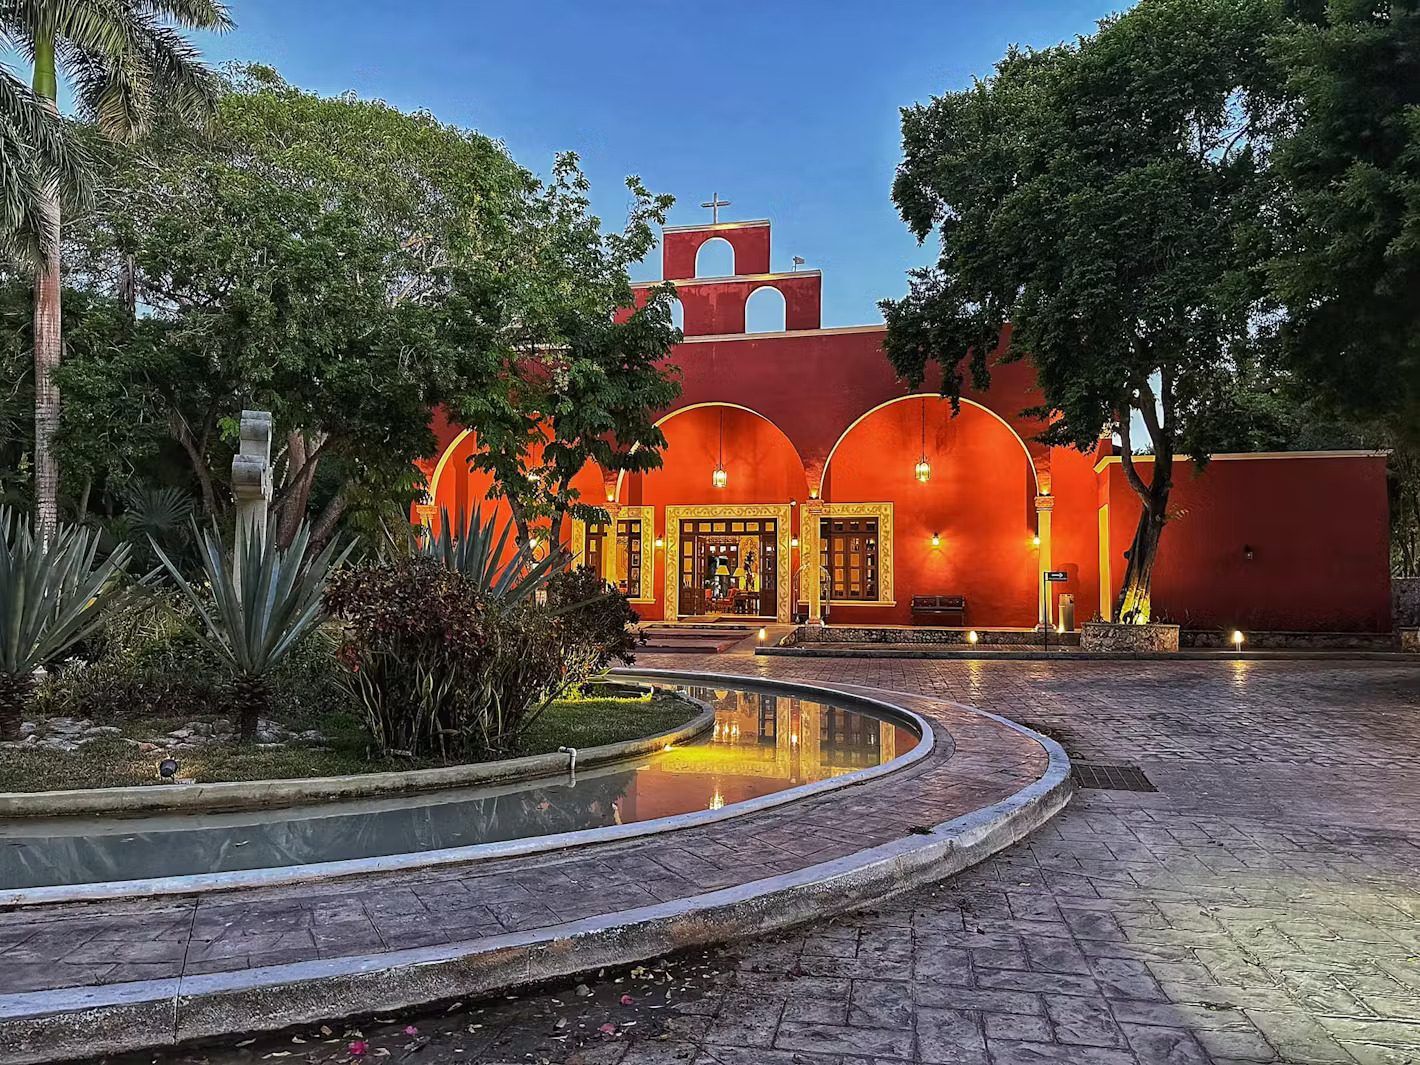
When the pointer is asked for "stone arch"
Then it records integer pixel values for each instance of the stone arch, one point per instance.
(715, 258)
(1032, 458)
(765, 310)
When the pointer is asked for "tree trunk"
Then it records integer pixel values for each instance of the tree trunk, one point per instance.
(48, 337)
(15, 692)
(1133, 605)
(329, 515)
(252, 704)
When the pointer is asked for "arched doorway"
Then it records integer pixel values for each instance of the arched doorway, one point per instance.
(966, 527)
(723, 495)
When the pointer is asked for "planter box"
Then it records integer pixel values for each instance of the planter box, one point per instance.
(1107, 636)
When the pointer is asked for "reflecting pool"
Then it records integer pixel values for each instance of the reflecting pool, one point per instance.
(761, 743)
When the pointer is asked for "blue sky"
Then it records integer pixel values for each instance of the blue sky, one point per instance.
(788, 109)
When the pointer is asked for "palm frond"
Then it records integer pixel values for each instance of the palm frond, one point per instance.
(193, 14)
(158, 511)
(39, 157)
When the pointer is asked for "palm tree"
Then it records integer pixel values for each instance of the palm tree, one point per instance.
(127, 65)
(37, 152)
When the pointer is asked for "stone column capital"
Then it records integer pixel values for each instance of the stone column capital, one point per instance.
(1044, 503)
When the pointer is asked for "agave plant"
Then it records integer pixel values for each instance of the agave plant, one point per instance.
(52, 595)
(255, 607)
(480, 552)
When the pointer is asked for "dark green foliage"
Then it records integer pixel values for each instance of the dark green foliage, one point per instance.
(1348, 262)
(444, 669)
(1108, 199)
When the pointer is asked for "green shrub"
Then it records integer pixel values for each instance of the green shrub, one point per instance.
(442, 668)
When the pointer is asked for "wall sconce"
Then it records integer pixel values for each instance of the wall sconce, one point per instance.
(660, 543)
(813, 493)
(793, 541)
(936, 540)
(1248, 552)
(1035, 541)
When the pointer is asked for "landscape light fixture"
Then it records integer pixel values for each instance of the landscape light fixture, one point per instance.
(971, 636)
(923, 469)
(1237, 638)
(167, 769)
(720, 477)
(763, 635)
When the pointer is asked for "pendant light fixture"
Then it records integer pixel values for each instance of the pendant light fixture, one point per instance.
(719, 478)
(924, 468)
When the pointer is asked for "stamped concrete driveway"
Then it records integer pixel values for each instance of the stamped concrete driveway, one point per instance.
(1262, 906)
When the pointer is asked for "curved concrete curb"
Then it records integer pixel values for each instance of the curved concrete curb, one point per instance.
(252, 794)
(299, 874)
(51, 1026)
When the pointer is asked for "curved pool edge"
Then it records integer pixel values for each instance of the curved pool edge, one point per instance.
(51, 1026)
(295, 791)
(285, 876)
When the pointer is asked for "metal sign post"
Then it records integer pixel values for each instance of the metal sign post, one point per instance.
(1047, 578)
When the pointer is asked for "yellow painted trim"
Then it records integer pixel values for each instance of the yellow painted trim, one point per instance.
(886, 543)
(439, 468)
(781, 512)
(725, 279)
(718, 338)
(1106, 579)
(1030, 461)
(715, 227)
(1241, 456)
(646, 515)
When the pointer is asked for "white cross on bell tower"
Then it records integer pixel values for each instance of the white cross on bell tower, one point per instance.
(715, 203)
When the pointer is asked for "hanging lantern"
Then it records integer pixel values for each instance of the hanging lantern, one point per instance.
(923, 469)
(719, 478)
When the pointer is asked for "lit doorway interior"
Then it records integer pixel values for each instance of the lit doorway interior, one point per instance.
(731, 561)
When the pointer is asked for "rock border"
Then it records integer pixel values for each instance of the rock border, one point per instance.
(828, 650)
(54, 1025)
(298, 791)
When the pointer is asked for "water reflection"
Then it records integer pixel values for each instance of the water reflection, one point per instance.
(760, 744)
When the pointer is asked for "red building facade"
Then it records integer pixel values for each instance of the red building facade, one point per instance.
(791, 488)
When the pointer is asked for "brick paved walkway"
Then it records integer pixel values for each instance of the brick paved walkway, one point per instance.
(977, 762)
(1262, 907)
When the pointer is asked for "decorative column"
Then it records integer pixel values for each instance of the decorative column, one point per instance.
(425, 515)
(810, 516)
(610, 562)
(1043, 507)
(251, 483)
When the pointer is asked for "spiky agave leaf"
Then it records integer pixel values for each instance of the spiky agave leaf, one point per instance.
(261, 606)
(52, 593)
(479, 550)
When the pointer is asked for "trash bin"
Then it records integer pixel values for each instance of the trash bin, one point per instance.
(1067, 612)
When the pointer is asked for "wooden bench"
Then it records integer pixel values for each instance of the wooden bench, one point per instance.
(940, 606)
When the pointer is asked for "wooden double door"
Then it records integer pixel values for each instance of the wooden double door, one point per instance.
(728, 566)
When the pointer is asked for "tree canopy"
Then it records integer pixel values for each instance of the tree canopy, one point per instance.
(349, 267)
(1348, 261)
(1108, 199)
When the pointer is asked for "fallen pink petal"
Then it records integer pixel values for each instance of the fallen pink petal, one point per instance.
(359, 1048)
(626, 1000)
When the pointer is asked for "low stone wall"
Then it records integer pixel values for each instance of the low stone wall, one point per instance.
(828, 634)
(1107, 636)
(1405, 601)
(1219, 639)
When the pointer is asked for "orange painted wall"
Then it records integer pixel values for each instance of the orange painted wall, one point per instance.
(980, 499)
(1318, 527)
(761, 465)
